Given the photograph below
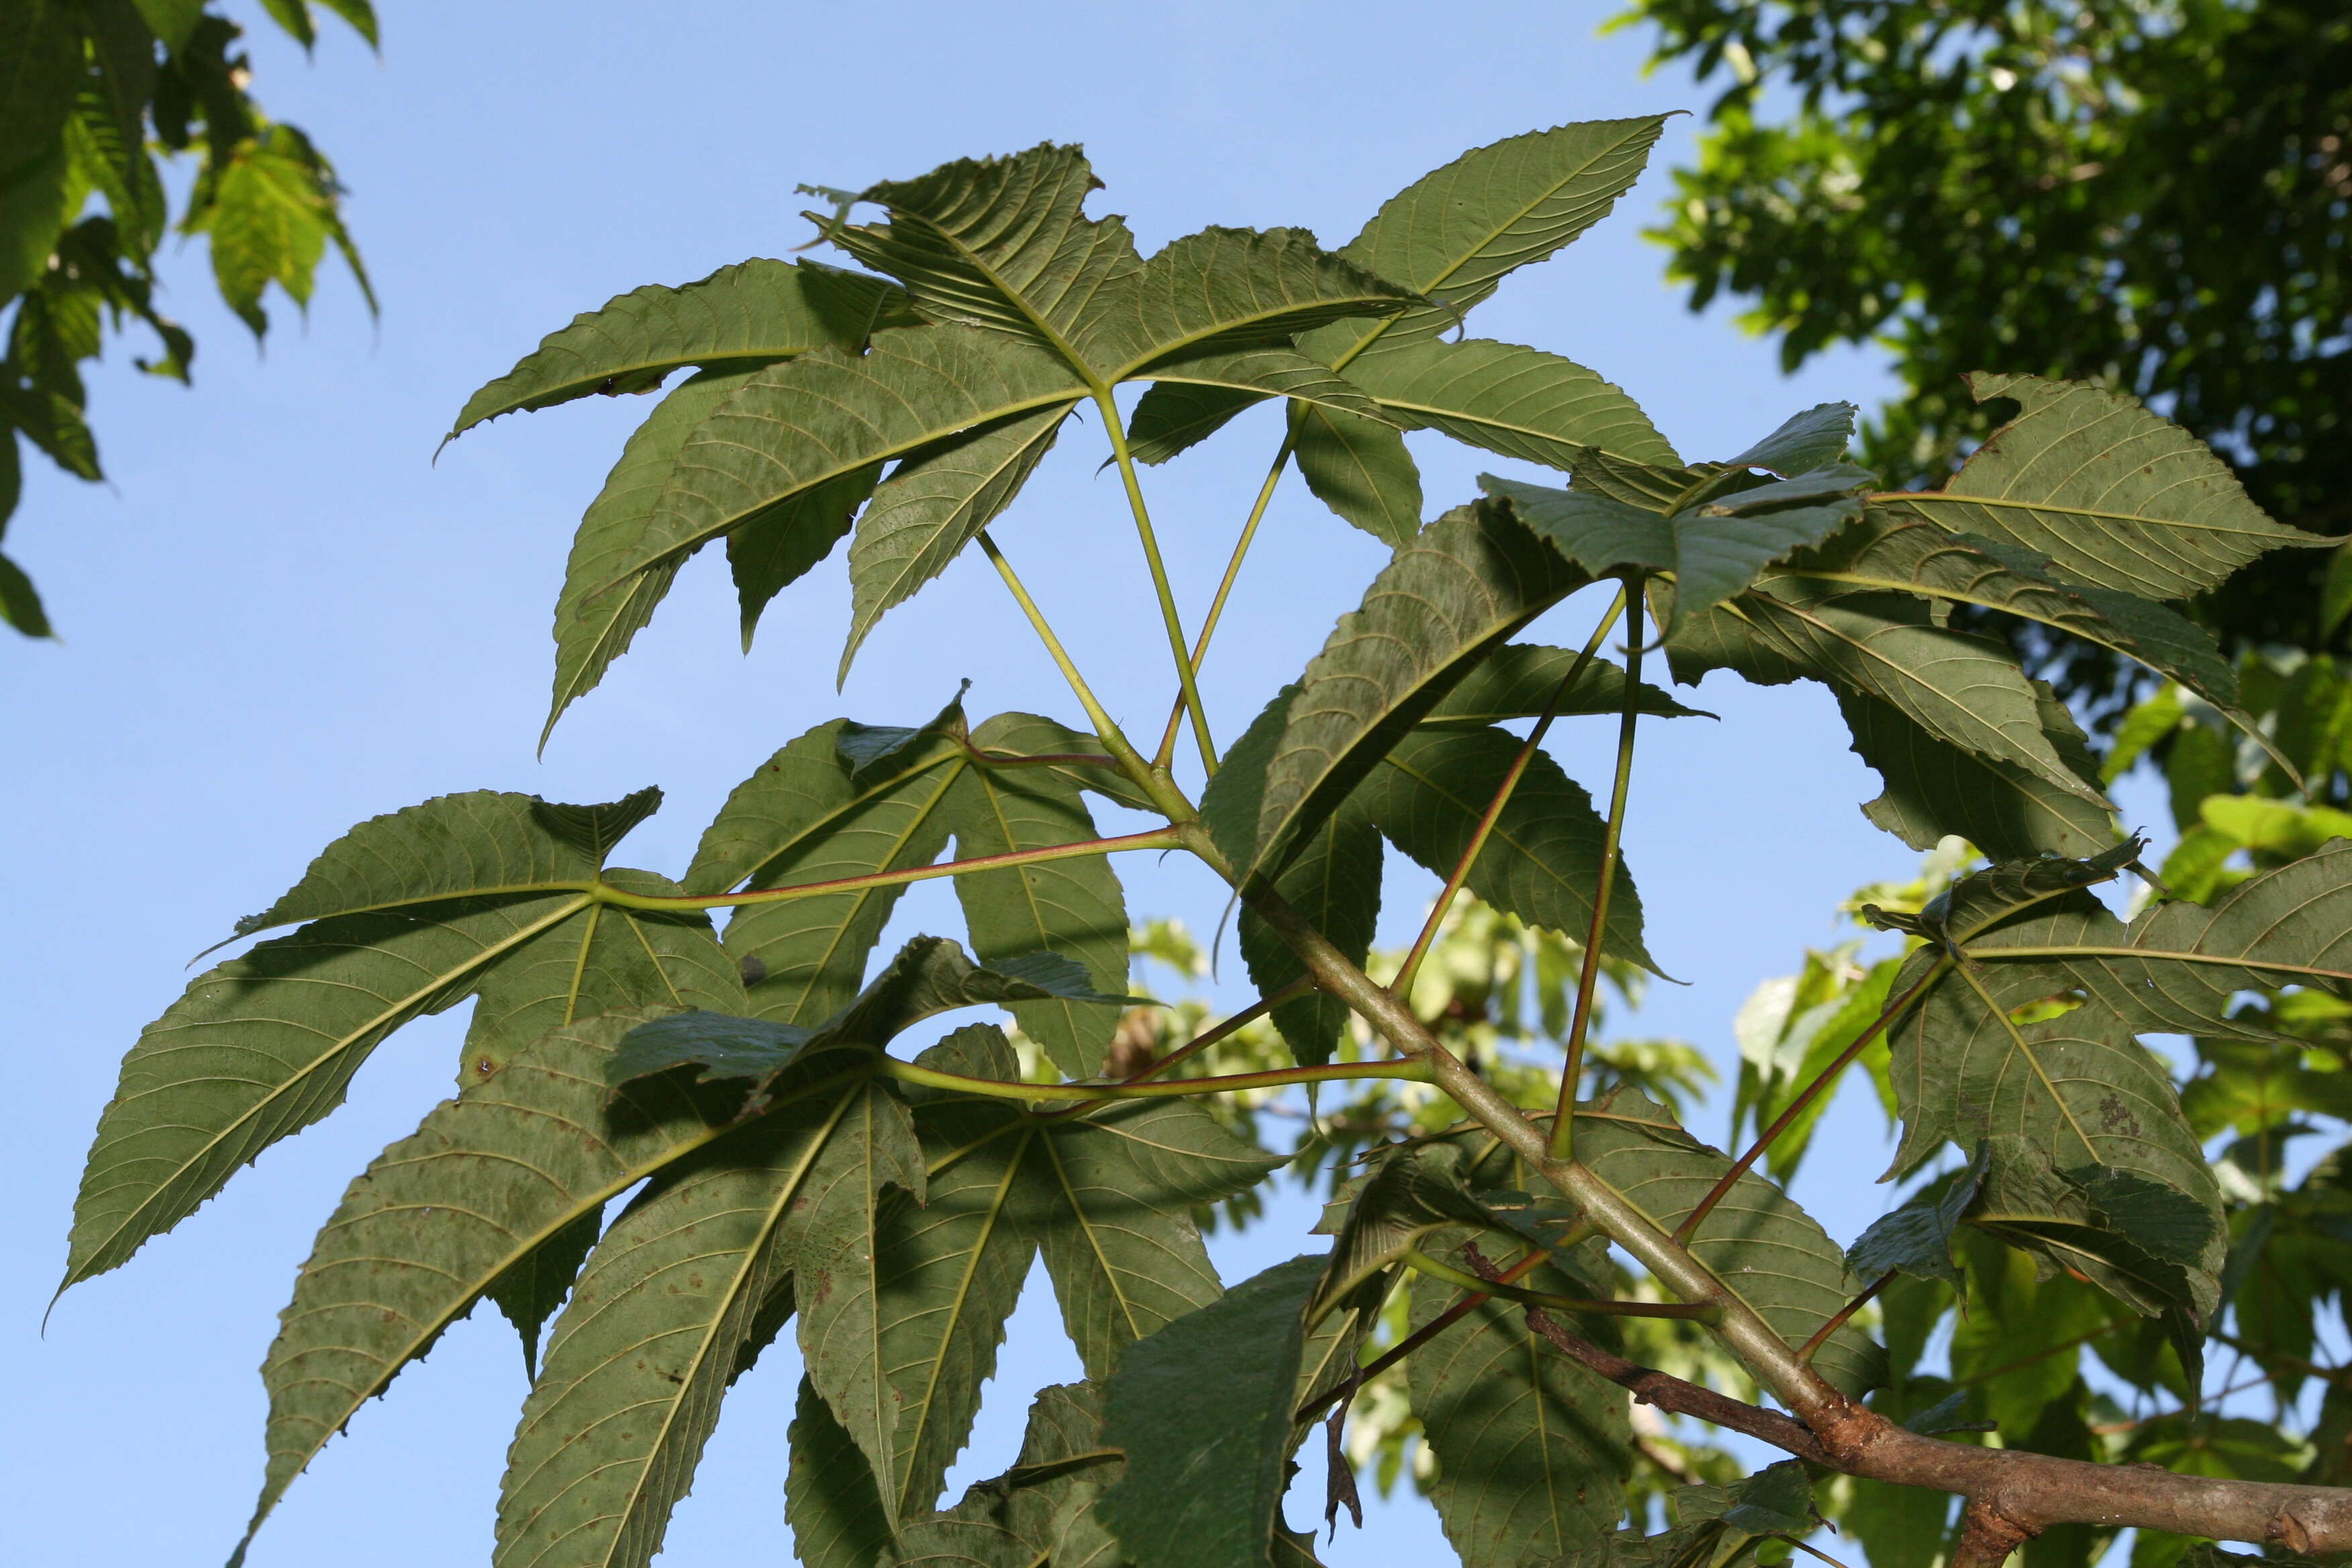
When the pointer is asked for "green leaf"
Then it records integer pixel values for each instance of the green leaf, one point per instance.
(795, 425)
(799, 818)
(601, 606)
(488, 1181)
(20, 606)
(1203, 1410)
(717, 1045)
(1766, 1251)
(1334, 883)
(1073, 907)
(1360, 469)
(2148, 1244)
(1715, 547)
(2176, 967)
(830, 1503)
(1174, 414)
(534, 1286)
(1454, 233)
(1000, 243)
(36, 91)
(1467, 584)
(1027, 735)
(834, 1227)
(932, 506)
(1413, 1192)
(1891, 551)
(172, 20)
(680, 1297)
(1225, 289)
(1515, 400)
(269, 220)
(1542, 861)
(1532, 1449)
(359, 13)
(1960, 688)
(1815, 438)
(1042, 1510)
(474, 845)
(2112, 495)
(2075, 1086)
(739, 318)
(1915, 1237)
(777, 548)
(1934, 788)
(1518, 681)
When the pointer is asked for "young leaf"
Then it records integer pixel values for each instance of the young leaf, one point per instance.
(1934, 788)
(933, 507)
(1468, 583)
(738, 318)
(489, 1180)
(2112, 495)
(1334, 883)
(1766, 1251)
(1360, 469)
(1532, 1449)
(1542, 861)
(1203, 1410)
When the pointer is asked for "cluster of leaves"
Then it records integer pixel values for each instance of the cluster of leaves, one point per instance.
(2150, 195)
(790, 1167)
(100, 95)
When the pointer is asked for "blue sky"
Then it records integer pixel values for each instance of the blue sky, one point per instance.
(280, 618)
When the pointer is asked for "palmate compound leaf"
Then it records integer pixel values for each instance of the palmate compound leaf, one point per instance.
(1532, 1449)
(1961, 689)
(680, 1296)
(1203, 1410)
(1766, 1251)
(262, 1046)
(2110, 494)
(1465, 585)
(1542, 860)
(488, 1180)
(739, 318)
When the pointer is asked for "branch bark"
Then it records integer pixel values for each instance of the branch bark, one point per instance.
(2011, 1494)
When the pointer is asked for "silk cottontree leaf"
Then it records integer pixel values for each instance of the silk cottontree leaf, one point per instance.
(1028, 735)
(800, 818)
(1915, 1237)
(1515, 400)
(261, 1046)
(2148, 1244)
(474, 844)
(488, 1181)
(1000, 244)
(1038, 1512)
(834, 1224)
(1532, 1449)
(830, 1502)
(674, 1304)
(604, 958)
(776, 549)
(1202, 1409)
(2077, 1087)
(1542, 860)
(1934, 788)
(1225, 289)
(933, 505)
(793, 427)
(1447, 599)
(1334, 883)
(1454, 233)
(1175, 416)
(1960, 688)
(1815, 438)
(739, 318)
(1208, 380)
(2112, 495)
(1518, 681)
(606, 600)
(1360, 469)
(535, 1285)
(2177, 966)
(1893, 551)
(1074, 907)
(1764, 1249)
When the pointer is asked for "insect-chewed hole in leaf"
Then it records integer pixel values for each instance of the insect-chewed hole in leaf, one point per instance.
(2041, 1009)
